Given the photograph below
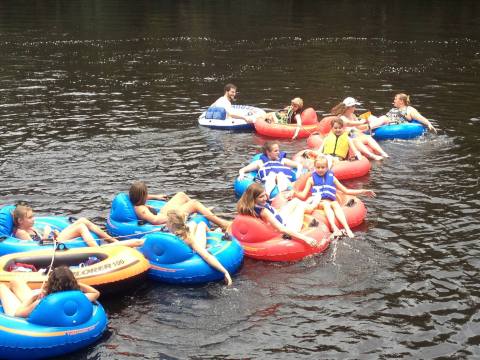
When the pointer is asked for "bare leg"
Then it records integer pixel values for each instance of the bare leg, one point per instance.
(21, 290)
(365, 150)
(374, 145)
(95, 229)
(283, 182)
(75, 230)
(200, 234)
(293, 212)
(194, 206)
(327, 208)
(341, 218)
(10, 302)
(175, 202)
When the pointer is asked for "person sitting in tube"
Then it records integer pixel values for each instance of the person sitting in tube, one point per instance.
(288, 220)
(195, 236)
(23, 220)
(139, 195)
(274, 169)
(400, 113)
(225, 101)
(337, 143)
(19, 300)
(288, 115)
(324, 185)
(345, 110)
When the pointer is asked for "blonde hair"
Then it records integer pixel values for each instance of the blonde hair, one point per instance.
(20, 212)
(298, 101)
(405, 98)
(177, 225)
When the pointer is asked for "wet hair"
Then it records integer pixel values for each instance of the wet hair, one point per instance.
(138, 193)
(228, 87)
(20, 212)
(339, 109)
(337, 120)
(268, 146)
(405, 98)
(298, 101)
(177, 225)
(246, 204)
(61, 279)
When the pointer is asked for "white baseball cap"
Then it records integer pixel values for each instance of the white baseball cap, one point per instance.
(349, 101)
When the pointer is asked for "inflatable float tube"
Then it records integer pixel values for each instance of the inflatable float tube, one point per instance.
(286, 131)
(109, 269)
(60, 324)
(123, 222)
(262, 241)
(240, 186)
(405, 131)
(215, 118)
(172, 261)
(10, 244)
(354, 209)
(343, 170)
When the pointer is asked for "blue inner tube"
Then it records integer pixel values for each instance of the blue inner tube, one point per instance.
(173, 261)
(61, 323)
(123, 221)
(409, 130)
(10, 244)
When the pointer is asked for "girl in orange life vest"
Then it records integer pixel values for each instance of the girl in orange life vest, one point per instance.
(180, 201)
(195, 236)
(324, 187)
(337, 143)
(19, 300)
(288, 220)
(23, 220)
(346, 111)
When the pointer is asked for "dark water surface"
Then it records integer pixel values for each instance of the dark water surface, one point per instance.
(96, 94)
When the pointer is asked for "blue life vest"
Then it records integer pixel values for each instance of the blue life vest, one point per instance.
(216, 113)
(258, 209)
(275, 166)
(324, 186)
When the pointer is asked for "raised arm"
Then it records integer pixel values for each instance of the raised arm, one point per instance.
(91, 293)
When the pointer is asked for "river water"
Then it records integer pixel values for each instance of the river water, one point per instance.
(97, 94)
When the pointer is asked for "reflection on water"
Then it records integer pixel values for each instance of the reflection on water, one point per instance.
(94, 96)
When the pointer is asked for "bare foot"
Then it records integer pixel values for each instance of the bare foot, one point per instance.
(349, 233)
(377, 157)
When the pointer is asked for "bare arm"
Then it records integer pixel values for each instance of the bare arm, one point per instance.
(415, 115)
(91, 293)
(156, 196)
(212, 261)
(250, 167)
(298, 119)
(306, 190)
(268, 217)
(144, 213)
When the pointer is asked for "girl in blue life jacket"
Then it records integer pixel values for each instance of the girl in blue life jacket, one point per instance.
(324, 185)
(19, 300)
(274, 169)
(287, 220)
